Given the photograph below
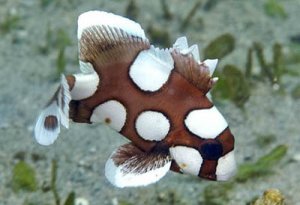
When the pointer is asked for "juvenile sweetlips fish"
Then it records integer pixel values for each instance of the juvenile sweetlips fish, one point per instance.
(157, 98)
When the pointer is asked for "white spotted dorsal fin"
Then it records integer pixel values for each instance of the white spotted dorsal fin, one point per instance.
(211, 64)
(194, 50)
(197, 74)
(56, 112)
(106, 38)
(151, 69)
(128, 166)
(181, 45)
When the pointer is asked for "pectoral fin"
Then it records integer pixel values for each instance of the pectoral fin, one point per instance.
(129, 166)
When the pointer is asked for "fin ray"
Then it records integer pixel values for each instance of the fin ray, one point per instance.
(181, 43)
(64, 99)
(47, 127)
(197, 74)
(115, 39)
(211, 64)
(129, 166)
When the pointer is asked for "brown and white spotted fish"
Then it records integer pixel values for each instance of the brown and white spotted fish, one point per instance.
(157, 98)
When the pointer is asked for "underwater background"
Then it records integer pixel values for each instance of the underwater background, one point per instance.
(258, 92)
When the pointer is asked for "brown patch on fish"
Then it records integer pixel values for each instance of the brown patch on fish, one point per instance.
(51, 122)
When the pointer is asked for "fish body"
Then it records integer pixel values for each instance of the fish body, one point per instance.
(157, 98)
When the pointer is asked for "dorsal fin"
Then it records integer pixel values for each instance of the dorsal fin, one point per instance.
(181, 45)
(106, 38)
(196, 73)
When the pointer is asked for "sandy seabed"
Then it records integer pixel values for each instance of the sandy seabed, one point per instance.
(28, 81)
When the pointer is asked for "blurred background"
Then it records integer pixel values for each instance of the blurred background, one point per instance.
(257, 43)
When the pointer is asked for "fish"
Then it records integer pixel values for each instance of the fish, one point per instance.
(159, 99)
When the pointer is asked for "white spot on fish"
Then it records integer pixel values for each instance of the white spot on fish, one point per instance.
(152, 125)
(206, 123)
(188, 159)
(151, 69)
(112, 112)
(85, 85)
(226, 167)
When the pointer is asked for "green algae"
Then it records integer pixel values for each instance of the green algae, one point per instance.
(262, 166)
(186, 21)
(45, 3)
(295, 38)
(70, 199)
(53, 182)
(61, 42)
(24, 177)
(62, 39)
(37, 157)
(209, 5)
(60, 61)
(249, 63)
(296, 92)
(132, 10)
(35, 201)
(277, 62)
(238, 88)
(167, 14)
(274, 9)
(265, 68)
(10, 22)
(20, 155)
(26, 202)
(217, 194)
(56, 40)
(293, 54)
(159, 36)
(273, 71)
(220, 47)
(265, 140)
(124, 202)
(232, 85)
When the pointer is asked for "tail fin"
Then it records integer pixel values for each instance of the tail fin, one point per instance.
(56, 112)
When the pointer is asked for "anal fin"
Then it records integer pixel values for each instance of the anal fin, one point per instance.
(129, 166)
